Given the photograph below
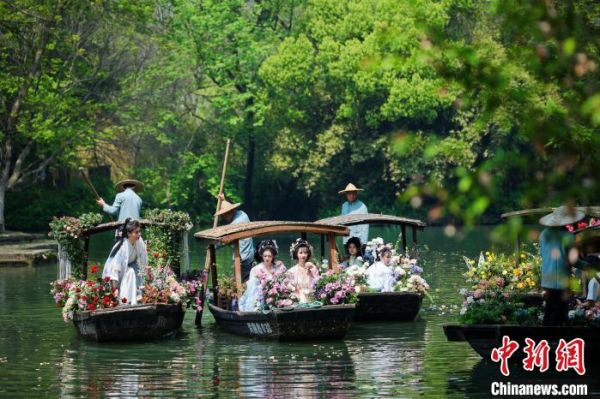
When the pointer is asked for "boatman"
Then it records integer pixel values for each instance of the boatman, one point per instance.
(354, 205)
(232, 215)
(558, 255)
(128, 203)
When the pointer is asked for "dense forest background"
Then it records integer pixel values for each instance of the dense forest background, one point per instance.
(444, 110)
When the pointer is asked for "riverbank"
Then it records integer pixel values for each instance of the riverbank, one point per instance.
(25, 249)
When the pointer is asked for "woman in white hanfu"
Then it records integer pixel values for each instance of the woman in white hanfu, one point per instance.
(379, 275)
(127, 257)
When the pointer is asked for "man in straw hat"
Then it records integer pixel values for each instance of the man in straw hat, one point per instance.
(354, 205)
(232, 215)
(558, 255)
(127, 203)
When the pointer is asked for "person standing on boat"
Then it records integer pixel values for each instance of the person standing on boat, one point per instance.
(351, 206)
(304, 274)
(128, 203)
(558, 254)
(353, 249)
(232, 215)
(126, 258)
(253, 300)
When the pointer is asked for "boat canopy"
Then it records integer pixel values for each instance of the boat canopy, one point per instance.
(588, 210)
(113, 226)
(372, 218)
(233, 232)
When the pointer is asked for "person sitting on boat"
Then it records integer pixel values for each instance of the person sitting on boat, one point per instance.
(128, 203)
(353, 249)
(127, 257)
(558, 254)
(351, 206)
(379, 275)
(593, 292)
(232, 215)
(304, 274)
(252, 299)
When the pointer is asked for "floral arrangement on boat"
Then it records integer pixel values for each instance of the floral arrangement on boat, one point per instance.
(160, 286)
(80, 295)
(405, 270)
(502, 290)
(585, 314)
(227, 294)
(334, 288)
(277, 290)
(503, 270)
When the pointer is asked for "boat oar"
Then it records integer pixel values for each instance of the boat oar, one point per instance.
(207, 263)
(87, 180)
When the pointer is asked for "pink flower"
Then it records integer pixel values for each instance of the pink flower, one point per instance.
(478, 294)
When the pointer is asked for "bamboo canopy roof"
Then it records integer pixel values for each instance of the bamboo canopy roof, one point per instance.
(589, 211)
(231, 232)
(113, 226)
(371, 218)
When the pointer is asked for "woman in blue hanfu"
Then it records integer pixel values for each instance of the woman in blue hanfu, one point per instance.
(126, 258)
(379, 275)
(253, 299)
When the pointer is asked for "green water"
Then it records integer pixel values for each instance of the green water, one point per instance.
(42, 356)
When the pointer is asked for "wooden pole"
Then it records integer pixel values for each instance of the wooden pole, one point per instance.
(332, 252)
(208, 262)
(238, 267)
(91, 186)
(322, 246)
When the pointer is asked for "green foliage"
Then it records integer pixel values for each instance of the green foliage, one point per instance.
(68, 232)
(164, 240)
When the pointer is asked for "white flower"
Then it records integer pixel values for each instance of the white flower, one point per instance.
(463, 291)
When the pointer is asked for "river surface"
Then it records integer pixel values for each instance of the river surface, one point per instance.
(40, 355)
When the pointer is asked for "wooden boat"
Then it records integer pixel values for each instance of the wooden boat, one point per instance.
(130, 323)
(385, 306)
(483, 338)
(326, 322)
(140, 322)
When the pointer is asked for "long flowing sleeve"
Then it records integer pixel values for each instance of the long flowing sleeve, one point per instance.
(115, 266)
(142, 253)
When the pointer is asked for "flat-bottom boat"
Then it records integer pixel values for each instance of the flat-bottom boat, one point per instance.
(130, 323)
(483, 338)
(327, 322)
(387, 306)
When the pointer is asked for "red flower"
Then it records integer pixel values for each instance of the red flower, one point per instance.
(107, 279)
(92, 306)
(94, 269)
(124, 300)
(90, 283)
(155, 254)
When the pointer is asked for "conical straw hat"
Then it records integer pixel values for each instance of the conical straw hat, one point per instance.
(120, 186)
(350, 188)
(562, 216)
(227, 206)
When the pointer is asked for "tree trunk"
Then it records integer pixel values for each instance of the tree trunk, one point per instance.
(2, 195)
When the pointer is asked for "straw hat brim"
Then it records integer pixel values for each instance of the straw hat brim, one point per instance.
(562, 218)
(226, 209)
(120, 186)
(350, 191)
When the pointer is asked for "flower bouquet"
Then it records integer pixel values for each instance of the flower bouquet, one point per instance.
(585, 314)
(335, 289)
(359, 275)
(81, 295)
(161, 286)
(277, 290)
